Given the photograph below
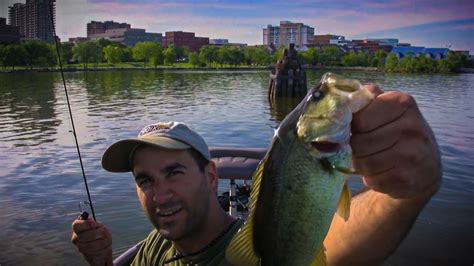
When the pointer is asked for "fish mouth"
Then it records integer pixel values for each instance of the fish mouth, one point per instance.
(168, 212)
(326, 146)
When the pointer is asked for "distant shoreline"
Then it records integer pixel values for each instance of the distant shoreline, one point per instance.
(171, 69)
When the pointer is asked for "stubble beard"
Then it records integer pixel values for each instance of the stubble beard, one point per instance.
(193, 222)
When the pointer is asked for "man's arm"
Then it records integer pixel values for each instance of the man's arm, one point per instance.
(396, 152)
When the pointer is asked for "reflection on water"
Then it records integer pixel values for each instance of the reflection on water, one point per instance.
(282, 106)
(41, 183)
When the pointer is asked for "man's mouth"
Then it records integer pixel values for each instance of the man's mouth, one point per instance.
(168, 212)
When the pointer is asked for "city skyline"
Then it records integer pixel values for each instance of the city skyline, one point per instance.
(434, 24)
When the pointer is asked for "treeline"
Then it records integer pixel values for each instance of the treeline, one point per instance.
(421, 64)
(35, 53)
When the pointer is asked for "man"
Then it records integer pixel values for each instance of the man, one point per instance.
(393, 148)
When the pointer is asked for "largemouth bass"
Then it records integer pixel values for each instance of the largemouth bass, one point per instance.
(301, 181)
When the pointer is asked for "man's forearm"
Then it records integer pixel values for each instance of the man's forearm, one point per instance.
(376, 225)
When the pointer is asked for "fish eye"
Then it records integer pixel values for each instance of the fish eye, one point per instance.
(317, 95)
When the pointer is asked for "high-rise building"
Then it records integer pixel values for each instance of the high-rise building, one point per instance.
(34, 19)
(99, 27)
(288, 32)
(184, 39)
(8, 33)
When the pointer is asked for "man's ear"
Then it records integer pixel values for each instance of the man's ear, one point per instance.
(212, 176)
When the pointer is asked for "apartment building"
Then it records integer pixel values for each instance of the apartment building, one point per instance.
(34, 19)
(288, 32)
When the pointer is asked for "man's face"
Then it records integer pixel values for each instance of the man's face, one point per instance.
(173, 192)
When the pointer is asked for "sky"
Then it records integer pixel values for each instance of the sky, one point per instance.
(429, 23)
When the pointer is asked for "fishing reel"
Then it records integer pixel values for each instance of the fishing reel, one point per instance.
(83, 215)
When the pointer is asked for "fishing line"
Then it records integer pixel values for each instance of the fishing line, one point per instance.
(69, 106)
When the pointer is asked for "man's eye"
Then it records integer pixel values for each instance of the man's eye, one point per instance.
(144, 182)
(174, 173)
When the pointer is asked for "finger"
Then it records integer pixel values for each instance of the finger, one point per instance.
(386, 136)
(79, 226)
(374, 164)
(396, 171)
(384, 109)
(365, 144)
(96, 247)
(91, 235)
(374, 89)
(405, 153)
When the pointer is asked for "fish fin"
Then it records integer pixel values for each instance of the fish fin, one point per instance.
(345, 170)
(344, 204)
(241, 248)
(320, 258)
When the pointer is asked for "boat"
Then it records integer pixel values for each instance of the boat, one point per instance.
(233, 164)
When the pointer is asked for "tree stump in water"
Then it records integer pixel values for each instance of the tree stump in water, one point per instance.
(287, 79)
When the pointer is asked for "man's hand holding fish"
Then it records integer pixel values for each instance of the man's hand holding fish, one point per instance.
(396, 152)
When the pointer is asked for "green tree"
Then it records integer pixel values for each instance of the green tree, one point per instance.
(443, 66)
(112, 54)
(231, 55)
(429, 65)
(355, 59)
(278, 54)
(181, 52)
(208, 54)
(391, 64)
(15, 55)
(157, 56)
(51, 58)
(349, 59)
(147, 51)
(309, 57)
(127, 55)
(194, 59)
(88, 52)
(423, 64)
(406, 65)
(257, 55)
(378, 59)
(3, 51)
(169, 55)
(66, 51)
(455, 61)
(38, 53)
(330, 56)
(223, 55)
(236, 56)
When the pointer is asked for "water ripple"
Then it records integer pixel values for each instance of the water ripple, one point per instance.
(41, 182)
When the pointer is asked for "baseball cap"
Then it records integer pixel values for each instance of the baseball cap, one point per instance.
(170, 135)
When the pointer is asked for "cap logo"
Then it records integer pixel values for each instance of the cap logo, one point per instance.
(154, 127)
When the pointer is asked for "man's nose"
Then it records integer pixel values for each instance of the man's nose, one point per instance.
(162, 193)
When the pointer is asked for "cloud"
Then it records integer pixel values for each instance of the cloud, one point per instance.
(243, 21)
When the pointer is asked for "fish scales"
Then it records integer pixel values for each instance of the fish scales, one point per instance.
(291, 189)
(301, 181)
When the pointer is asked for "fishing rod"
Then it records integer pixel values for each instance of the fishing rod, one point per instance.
(83, 215)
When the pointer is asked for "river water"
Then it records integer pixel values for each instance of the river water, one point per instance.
(41, 182)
